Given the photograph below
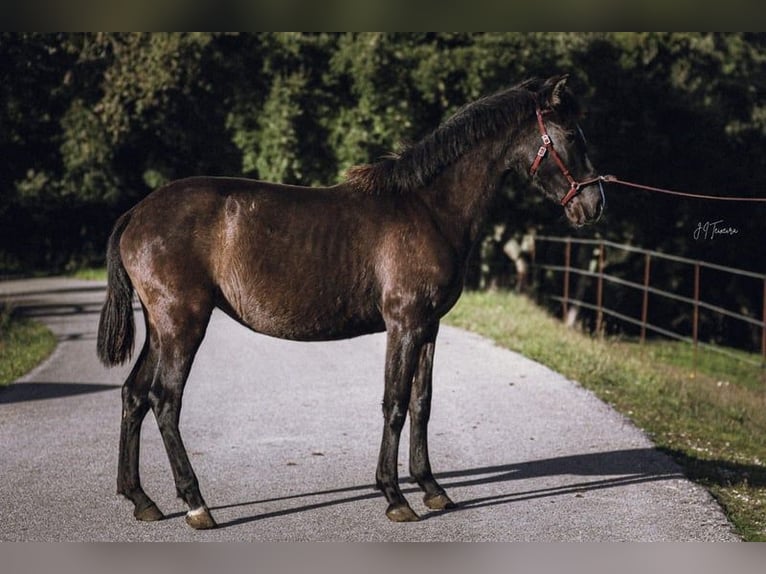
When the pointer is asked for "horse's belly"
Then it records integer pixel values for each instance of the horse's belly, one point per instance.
(305, 314)
(315, 328)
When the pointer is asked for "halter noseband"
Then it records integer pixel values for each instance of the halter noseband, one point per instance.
(574, 185)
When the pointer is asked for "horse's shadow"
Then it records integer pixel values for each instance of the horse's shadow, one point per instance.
(589, 472)
(36, 390)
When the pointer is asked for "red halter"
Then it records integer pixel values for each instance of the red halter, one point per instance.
(574, 185)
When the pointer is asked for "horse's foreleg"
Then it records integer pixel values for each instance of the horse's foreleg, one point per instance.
(135, 405)
(402, 350)
(420, 410)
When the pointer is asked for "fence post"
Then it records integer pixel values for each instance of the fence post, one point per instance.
(763, 332)
(645, 303)
(695, 324)
(600, 291)
(567, 259)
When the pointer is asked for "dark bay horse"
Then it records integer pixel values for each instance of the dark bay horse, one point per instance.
(385, 250)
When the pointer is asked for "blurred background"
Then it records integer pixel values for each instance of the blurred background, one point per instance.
(91, 123)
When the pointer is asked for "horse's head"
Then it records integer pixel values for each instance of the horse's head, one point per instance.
(551, 150)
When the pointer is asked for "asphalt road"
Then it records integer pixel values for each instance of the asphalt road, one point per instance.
(284, 438)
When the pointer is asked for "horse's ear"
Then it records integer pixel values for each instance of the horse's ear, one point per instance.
(551, 95)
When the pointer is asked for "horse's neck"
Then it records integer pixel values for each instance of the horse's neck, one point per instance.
(460, 197)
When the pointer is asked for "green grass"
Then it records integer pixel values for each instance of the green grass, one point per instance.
(712, 420)
(91, 273)
(23, 345)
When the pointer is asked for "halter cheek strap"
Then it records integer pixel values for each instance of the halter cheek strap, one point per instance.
(547, 143)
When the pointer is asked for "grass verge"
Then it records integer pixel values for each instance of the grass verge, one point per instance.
(712, 421)
(91, 273)
(23, 345)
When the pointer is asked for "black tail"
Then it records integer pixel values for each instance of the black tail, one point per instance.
(116, 327)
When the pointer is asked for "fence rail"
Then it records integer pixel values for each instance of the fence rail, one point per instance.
(646, 288)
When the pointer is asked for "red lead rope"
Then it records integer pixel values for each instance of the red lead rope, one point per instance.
(613, 179)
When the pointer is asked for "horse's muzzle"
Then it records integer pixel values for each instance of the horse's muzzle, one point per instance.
(587, 206)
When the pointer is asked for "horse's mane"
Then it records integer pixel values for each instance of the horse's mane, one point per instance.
(416, 165)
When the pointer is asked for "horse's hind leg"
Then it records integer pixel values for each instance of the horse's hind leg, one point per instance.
(420, 410)
(182, 331)
(135, 405)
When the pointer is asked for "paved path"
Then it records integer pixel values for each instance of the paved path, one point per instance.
(284, 438)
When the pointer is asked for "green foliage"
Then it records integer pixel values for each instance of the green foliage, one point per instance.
(275, 159)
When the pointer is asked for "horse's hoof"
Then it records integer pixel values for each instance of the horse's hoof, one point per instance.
(438, 501)
(401, 513)
(200, 519)
(148, 514)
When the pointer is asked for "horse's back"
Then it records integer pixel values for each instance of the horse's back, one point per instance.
(195, 216)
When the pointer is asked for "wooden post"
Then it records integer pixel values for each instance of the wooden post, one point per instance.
(567, 259)
(695, 323)
(600, 291)
(763, 332)
(645, 303)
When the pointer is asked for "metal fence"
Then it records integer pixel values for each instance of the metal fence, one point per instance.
(645, 288)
